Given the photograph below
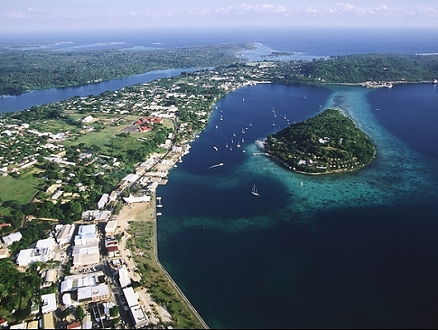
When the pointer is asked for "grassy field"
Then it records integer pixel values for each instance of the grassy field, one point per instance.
(20, 190)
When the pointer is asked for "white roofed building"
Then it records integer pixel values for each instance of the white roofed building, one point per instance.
(74, 282)
(110, 228)
(102, 201)
(86, 255)
(11, 238)
(48, 303)
(138, 315)
(86, 234)
(43, 252)
(131, 296)
(94, 293)
(124, 277)
(98, 215)
(65, 235)
(141, 199)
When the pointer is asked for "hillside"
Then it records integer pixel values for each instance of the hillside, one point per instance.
(328, 143)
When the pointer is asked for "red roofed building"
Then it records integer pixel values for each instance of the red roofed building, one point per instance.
(145, 129)
(112, 248)
(75, 325)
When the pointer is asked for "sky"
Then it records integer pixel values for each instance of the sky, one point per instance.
(36, 15)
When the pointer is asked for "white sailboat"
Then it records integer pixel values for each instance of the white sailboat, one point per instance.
(254, 191)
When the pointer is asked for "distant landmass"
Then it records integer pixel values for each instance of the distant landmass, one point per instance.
(328, 143)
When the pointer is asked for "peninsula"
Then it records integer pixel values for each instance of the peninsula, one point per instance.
(327, 143)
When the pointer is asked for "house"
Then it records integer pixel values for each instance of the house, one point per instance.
(11, 238)
(43, 252)
(74, 325)
(113, 196)
(86, 234)
(124, 278)
(73, 282)
(102, 201)
(110, 228)
(141, 199)
(32, 324)
(94, 293)
(97, 215)
(48, 321)
(64, 234)
(88, 119)
(87, 323)
(48, 303)
(4, 253)
(112, 248)
(86, 255)
(131, 296)
(138, 315)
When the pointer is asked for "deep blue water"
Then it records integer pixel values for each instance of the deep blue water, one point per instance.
(349, 251)
(353, 250)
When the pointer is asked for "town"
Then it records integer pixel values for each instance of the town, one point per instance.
(75, 161)
(76, 175)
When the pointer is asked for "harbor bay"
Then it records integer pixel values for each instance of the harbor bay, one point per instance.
(343, 250)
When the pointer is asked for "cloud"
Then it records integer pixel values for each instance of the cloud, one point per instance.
(35, 10)
(16, 15)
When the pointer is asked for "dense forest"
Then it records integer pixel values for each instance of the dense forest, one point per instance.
(21, 71)
(360, 68)
(328, 143)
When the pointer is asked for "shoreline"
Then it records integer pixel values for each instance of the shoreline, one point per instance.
(177, 288)
(147, 212)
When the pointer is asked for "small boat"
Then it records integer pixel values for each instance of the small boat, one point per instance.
(304, 98)
(215, 148)
(159, 202)
(159, 213)
(254, 191)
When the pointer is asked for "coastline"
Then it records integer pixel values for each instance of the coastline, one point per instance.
(136, 214)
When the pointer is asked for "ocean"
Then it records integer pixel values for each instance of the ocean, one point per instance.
(355, 250)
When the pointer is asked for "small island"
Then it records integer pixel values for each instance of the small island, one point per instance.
(328, 143)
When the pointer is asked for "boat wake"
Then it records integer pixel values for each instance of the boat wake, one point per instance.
(213, 166)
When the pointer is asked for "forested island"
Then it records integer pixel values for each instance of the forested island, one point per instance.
(328, 143)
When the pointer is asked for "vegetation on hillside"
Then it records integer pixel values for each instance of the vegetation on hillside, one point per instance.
(327, 143)
(359, 68)
(21, 71)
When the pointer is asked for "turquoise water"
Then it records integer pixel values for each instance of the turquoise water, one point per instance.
(348, 250)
